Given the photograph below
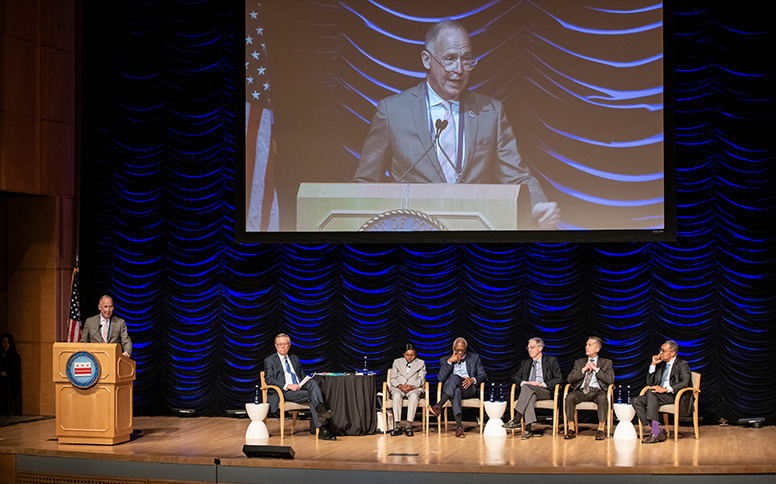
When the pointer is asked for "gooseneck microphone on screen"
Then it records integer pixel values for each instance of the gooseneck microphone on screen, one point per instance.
(458, 174)
(440, 125)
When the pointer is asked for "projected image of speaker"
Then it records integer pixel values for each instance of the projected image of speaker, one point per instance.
(269, 451)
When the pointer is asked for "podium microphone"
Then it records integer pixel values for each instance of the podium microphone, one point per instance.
(439, 125)
(458, 174)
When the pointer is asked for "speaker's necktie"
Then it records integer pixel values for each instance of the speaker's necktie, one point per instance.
(447, 142)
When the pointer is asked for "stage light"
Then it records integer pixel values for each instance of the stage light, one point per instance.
(270, 451)
(184, 412)
(755, 422)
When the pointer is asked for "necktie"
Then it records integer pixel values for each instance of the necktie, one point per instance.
(105, 331)
(588, 377)
(664, 383)
(288, 368)
(447, 141)
(532, 377)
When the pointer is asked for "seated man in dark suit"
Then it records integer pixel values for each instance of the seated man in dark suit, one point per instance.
(590, 380)
(537, 377)
(284, 371)
(459, 375)
(667, 375)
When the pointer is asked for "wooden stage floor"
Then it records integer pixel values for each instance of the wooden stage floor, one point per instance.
(204, 443)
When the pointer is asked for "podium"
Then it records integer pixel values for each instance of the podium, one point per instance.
(351, 207)
(102, 413)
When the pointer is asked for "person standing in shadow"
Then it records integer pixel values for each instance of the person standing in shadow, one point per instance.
(10, 377)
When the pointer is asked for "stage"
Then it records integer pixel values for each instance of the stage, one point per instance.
(205, 449)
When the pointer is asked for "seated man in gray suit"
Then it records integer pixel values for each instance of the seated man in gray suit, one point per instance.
(473, 140)
(284, 371)
(536, 377)
(459, 374)
(590, 380)
(407, 378)
(666, 376)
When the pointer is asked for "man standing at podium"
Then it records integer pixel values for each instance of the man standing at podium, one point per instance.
(475, 141)
(107, 328)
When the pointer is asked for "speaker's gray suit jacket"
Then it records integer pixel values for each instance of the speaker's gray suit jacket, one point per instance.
(400, 133)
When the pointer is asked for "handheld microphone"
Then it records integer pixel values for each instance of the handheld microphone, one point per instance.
(439, 125)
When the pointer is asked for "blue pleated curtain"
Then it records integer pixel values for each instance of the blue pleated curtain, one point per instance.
(157, 232)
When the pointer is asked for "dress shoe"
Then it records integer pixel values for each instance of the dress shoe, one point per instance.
(526, 435)
(571, 434)
(459, 433)
(396, 431)
(408, 432)
(512, 424)
(654, 439)
(325, 434)
(324, 414)
(600, 435)
(435, 410)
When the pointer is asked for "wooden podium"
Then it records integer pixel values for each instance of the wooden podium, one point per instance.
(349, 207)
(102, 413)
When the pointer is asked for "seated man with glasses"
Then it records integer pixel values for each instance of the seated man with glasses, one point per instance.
(283, 370)
(536, 377)
(465, 135)
(667, 375)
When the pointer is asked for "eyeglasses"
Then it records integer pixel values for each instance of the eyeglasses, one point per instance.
(449, 62)
(282, 344)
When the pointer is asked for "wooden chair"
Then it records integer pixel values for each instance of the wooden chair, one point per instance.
(674, 408)
(478, 402)
(546, 404)
(388, 403)
(284, 406)
(589, 406)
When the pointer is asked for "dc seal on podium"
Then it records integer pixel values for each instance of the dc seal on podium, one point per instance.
(402, 220)
(83, 369)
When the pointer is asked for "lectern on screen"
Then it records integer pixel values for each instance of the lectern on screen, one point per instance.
(586, 87)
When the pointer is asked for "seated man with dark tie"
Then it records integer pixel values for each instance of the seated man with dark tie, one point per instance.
(666, 376)
(537, 377)
(459, 375)
(284, 370)
(590, 380)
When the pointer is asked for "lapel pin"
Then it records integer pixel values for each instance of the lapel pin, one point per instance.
(471, 114)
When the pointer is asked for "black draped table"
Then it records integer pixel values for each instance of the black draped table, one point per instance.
(352, 398)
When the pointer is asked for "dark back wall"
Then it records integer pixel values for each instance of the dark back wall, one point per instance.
(157, 233)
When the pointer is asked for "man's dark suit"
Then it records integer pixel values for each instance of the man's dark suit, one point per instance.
(451, 383)
(274, 374)
(604, 376)
(529, 394)
(681, 377)
(400, 133)
(117, 332)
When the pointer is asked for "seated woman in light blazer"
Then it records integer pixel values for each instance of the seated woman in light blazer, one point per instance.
(407, 378)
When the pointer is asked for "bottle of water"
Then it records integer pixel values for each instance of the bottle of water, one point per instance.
(628, 395)
(619, 393)
(256, 396)
(500, 392)
(365, 367)
(492, 391)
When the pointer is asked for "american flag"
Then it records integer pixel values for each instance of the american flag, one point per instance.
(82, 369)
(74, 320)
(262, 199)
